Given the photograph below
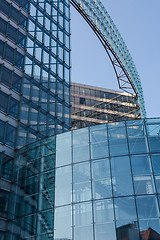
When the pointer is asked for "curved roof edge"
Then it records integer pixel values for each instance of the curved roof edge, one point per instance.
(99, 20)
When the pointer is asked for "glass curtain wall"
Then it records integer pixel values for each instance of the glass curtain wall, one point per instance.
(110, 184)
(100, 182)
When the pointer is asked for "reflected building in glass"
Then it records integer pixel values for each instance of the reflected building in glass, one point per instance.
(100, 182)
(94, 105)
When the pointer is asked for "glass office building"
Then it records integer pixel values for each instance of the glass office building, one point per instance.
(34, 79)
(100, 182)
(34, 71)
(94, 105)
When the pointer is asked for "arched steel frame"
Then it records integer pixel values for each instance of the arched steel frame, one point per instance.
(101, 23)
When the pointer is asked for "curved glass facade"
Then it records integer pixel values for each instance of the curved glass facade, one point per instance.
(100, 182)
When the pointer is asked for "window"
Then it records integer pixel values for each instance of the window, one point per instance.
(4, 102)
(10, 135)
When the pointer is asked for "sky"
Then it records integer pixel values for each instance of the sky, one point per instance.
(138, 22)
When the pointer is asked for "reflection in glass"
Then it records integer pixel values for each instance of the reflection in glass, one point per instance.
(63, 223)
(81, 182)
(83, 227)
(63, 186)
(101, 179)
(125, 210)
(147, 207)
(121, 176)
(117, 140)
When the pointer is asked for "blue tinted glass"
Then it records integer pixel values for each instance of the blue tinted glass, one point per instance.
(150, 227)
(83, 228)
(99, 150)
(1, 48)
(125, 211)
(63, 185)
(4, 102)
(140, 164)
(81, 182)
(3, 25)
(156, 163)
(142, 206)
(144, 184)
(63, 149)
(81, 154)
(6, 76)
(117, 141)
(101, 179)
(98, 134)
(10, 135)
(9, 53)
(80, 137)
(63, 217)
(154, 137)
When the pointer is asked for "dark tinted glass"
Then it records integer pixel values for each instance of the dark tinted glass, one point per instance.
(5, 6)
(2, 127)
(16, 82)
(3, 27)
(9, 53)
(3, 102)
(12, 33)
(1, 48)
(10, 135)
(21, 39)
(14, 14)
(19, 60)
(13, 108)
(6, 76)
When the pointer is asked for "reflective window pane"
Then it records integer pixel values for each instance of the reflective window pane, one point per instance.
(63, 186)
(101, 179)
(143, 210)
(63, 223)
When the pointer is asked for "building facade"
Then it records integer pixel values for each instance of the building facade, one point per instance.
(34, 79)
(35, 66)
(93, 105)
(100, 182)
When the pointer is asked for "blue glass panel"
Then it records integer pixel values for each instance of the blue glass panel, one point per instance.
(98, 134)
(63, 149)
(121, 176)
(83, 228)
(156, 163)
(99, 150)
(137, 139)
(154, 137)
(105, 229)
(125, 211)
(143, 210)
(101, 179)
(4, 102)
(144, 184)
(81, 182)
(63, 186)
(63, 217)
(10, 135)
(6, 76)
(141, 164)
(9, 53)
(81, 154)
(150, 227)
(103, 211)
(117, 140)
